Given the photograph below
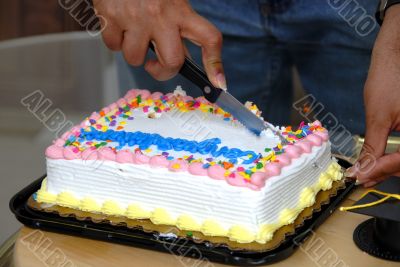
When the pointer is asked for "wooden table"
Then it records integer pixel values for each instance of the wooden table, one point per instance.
(331, 245)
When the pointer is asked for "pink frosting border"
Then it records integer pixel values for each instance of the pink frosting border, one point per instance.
(217, 172)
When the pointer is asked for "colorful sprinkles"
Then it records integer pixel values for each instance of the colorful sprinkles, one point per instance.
(108, 130)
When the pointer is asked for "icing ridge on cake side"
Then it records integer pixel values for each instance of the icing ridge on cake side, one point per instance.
(183, 161)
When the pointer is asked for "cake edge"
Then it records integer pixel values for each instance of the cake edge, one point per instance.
(209, 227)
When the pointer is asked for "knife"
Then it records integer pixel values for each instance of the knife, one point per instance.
(194, 73)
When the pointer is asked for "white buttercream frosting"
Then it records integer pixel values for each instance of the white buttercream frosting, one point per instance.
(224, 201)
(181, 193)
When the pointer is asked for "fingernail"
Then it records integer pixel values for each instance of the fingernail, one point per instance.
(357, 182)
(221, 81)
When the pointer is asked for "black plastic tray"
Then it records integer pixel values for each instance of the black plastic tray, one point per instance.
(179, 246)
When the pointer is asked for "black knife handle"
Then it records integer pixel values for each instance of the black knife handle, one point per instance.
(194, 73)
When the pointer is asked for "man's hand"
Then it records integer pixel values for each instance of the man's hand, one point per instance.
(133, 24)
(382, 102)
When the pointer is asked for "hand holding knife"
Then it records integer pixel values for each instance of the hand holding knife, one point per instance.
(194, 73)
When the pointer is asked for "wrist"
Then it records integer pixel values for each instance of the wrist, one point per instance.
(384, 5)
(393, 13)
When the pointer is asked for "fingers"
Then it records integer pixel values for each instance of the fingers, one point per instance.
(112, 36)
(135, 47)
(170, 55)
(374, 182)
(376, 137)
(374, 147)
(203, 33)
(384, 167)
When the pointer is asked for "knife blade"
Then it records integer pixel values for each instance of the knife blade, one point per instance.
(194, 73)
(250, 120)
(231, 105)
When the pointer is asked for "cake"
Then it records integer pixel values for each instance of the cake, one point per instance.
(184, 162)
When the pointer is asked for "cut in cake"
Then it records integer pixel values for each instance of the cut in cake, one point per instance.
(184, 162)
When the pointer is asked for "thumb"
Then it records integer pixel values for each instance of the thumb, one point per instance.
(385, 166)
(203, 33)
(374, 147)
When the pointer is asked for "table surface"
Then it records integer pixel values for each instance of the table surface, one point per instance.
(330, 245)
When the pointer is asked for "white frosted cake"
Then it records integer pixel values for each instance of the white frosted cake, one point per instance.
(184, 162)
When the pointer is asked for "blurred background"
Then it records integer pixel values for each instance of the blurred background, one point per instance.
(44, 49)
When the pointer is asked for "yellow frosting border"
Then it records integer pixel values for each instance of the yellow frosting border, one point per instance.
(186, 222)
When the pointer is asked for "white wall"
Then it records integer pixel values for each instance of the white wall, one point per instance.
(73, 70)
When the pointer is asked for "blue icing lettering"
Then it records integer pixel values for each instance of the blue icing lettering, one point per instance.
(114, 135)
(208, 146)
(163, 144)
(154, 138)
(191, 146)
(252, 156)
(178, 144)
(220, 152)
(135, 137)
(145, 140)
(121, 137)
(140, 136)
(233, 161)
(108, 134)
(131, 142)
(233, 153)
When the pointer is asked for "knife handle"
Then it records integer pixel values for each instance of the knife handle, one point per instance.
(194, 73)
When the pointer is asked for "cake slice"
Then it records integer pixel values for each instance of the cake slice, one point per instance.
(184, 162)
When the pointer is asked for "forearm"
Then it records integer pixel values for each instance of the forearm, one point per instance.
(385, 61)
(381, 97)
(389, 35)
